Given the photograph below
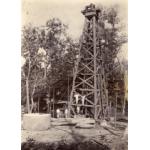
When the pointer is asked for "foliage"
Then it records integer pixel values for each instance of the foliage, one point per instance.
(114, 37)
(49, 54)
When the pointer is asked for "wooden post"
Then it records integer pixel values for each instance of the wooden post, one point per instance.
(95, 69)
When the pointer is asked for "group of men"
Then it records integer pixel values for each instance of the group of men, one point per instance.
(79, 99)
(58, 113)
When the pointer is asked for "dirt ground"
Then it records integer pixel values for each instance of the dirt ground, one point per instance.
(110, 137)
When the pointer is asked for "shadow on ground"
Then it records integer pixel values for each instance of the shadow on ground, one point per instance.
(86, 145)
(78, 142)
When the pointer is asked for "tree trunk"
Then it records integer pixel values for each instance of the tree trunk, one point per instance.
(32, 104)
(53, 102)
(45, 72)
(107, 107)
(27, 94)
(27, 87)
(116, 109)
(33, 91)
(123, 108)
(125, 92)
(110, 109)
(38, 104)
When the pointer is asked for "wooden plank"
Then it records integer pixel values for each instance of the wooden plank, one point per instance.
(88, 89)
(87, 74)
(86, 105)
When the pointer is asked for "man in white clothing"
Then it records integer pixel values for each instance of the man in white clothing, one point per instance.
(58, 113)
(76, 97)
(66, 113)
(78, 109)
(83, 99)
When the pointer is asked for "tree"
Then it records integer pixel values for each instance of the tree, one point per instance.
(48, 53)
(32, 70)
(112, 38)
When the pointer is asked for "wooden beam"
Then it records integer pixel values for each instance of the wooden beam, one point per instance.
(95, 67)
(88, 35)
(86, 66)
(85, 105)
(85, 81)
(92, 103)
(83, 67)
(82, 81)
(88, 51)
(88, 90)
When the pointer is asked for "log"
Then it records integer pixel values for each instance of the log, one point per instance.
(36, 122)
(84, 126)
(125, 135)
(83, 120)
(111, 131)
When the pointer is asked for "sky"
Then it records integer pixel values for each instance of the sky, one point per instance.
(37, 12)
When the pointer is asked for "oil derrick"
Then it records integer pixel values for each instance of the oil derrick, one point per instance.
(89, 74)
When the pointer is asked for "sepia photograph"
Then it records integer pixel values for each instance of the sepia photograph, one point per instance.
(74, 75)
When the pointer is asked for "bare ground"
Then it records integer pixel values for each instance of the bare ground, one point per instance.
(112, 137)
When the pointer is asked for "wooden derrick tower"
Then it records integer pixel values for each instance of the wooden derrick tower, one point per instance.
(89, 75)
